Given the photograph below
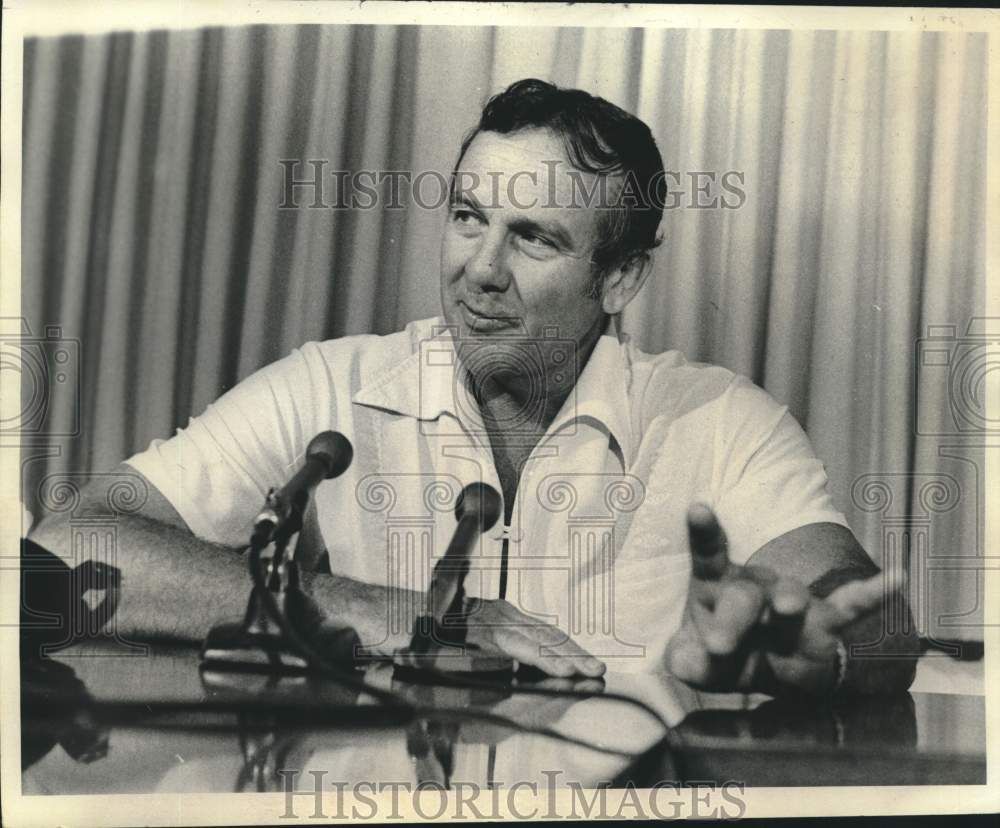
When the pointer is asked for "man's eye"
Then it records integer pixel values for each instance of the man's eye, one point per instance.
(539, 242)
(466, 217)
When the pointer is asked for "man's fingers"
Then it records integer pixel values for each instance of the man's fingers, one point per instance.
(854, 599)
(709, 557)
(552, 651)
(789, 601)
(527, 652)
(533, 643)
(789, 597)
(584, 664)
(689, 662)
(738, 607)
(576, 684)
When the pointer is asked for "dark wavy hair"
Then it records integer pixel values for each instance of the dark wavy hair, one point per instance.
(600, 138)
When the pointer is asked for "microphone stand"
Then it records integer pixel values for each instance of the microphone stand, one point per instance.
(258, 643)
(264, 748)
(438, 643)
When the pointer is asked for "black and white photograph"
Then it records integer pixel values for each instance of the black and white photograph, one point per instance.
(467, 411)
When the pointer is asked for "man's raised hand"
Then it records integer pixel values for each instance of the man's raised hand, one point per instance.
(749, 629)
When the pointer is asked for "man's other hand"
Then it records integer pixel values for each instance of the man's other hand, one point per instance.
(497, 626)
(749, 629)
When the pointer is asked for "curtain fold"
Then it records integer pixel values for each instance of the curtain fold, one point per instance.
(155, 167)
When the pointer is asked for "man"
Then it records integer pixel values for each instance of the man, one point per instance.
(526, 384)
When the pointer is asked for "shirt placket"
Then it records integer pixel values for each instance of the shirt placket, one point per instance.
(528, 541)
(470, 447)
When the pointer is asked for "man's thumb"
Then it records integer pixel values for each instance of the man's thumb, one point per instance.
(709, 557)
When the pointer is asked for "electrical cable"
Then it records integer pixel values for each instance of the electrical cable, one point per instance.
(318, 660)
(552, 692)
(390, 698)
(263, 534)
(140, 710)
(137, 713)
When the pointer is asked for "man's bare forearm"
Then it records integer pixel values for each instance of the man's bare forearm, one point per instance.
(175, 585)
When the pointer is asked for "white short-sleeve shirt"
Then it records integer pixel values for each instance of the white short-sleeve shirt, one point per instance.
(597, 538)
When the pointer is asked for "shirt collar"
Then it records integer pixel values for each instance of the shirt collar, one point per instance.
(423, 384)
(601, 392)
(426, 385)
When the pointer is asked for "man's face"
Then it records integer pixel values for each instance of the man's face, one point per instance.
(512, 263)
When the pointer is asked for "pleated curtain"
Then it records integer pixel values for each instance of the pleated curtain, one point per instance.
(152, 230)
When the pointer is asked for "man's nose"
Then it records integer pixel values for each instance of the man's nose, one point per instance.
(487, 268)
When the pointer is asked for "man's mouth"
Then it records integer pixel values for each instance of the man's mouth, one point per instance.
(480, 321)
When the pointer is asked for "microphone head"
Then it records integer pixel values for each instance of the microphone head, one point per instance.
(480, 500)
(333, 449)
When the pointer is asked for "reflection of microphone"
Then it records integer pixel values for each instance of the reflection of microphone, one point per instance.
(56, 709)
(430, 743)
(439, 635)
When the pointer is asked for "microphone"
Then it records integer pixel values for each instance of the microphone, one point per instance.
(439, 636)
(258, 642)
(477, 510)
(328, 455)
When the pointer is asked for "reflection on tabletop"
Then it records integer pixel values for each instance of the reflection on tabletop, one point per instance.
(75, 741)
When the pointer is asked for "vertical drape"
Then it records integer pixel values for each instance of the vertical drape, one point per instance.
(152, 231)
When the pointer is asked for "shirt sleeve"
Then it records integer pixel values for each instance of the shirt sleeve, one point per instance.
(768, 480)
(217, 471)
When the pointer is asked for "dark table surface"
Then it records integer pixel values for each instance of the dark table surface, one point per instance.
(86, 729)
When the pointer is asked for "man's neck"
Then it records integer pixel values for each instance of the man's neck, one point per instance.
(503, 401)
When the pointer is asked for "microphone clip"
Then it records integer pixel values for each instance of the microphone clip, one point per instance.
(258, 642)
(441, 647)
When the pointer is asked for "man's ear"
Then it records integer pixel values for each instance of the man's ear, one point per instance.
(623, 283)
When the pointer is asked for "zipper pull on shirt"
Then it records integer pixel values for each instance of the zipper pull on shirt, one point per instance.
(506, 533)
